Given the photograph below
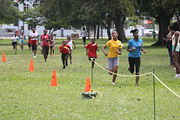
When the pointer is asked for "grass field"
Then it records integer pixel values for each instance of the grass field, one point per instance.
(28, 95)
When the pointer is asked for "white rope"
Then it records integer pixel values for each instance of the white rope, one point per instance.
(120, 74)
(140, 75)
(165, 85)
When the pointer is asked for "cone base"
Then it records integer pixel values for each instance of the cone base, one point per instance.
(89, 94)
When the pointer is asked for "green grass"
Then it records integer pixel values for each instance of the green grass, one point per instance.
(28, 95)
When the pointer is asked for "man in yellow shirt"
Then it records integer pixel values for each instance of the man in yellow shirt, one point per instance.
(115, 47)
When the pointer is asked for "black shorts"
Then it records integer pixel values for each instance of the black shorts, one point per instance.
(34, 47)
(64, 55)
(84, 39)
(136, 62)
(45, 49)
(51, 47)
(29, 44)
(92, 59)
(14, 44)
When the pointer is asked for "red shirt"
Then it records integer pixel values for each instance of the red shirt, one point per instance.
(65, 50)
(44, 40)
(29, 40)
(92, 50)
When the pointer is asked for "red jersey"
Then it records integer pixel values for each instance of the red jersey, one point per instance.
(29, 40)
(92, 50)
(44, 40)
(33, 42)
(65, 50)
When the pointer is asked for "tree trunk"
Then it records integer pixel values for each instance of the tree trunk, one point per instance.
(108, 29)
(119, 20)
(88, 31)
(120, 29)
(164, 21)
(98, 32)
(94, 31)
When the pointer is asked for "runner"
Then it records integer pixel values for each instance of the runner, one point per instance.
(65, 50)
(45, 44)
(34, 38)
(22, 38)
(14, 42)
(134, 48)
(84, 34)
(69, 42)
(29, 42)
(115, 47)
(91, 49)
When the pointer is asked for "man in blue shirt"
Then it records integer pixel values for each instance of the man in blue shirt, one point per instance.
(134, 49)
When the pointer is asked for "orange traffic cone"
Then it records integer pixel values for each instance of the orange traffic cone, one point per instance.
(31, 67)
(88, 85)
(3, 57)
(54, 79)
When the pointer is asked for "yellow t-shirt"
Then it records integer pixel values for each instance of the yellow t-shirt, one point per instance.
(113, 46)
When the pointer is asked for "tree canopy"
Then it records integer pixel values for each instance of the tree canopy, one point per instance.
(8, 12)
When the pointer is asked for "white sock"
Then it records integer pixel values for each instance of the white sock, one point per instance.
(113, 83)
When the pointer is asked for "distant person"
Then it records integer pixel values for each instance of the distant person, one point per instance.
(115, 47)
(70, 42)
(84, 35)
(45, 38)
(154, 35)
(134, 48)
(91, 49)
(169, 43)
(65, 50)
(175, 47)
(22, 38)
(52, 44)
(14, 42)
(29, 42)
(34, 38)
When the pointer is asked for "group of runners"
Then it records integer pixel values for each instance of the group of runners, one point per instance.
(134, 48)
(45, 42)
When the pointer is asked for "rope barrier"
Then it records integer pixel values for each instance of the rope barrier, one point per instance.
(120, 74)
(139, 75)
(165, 85)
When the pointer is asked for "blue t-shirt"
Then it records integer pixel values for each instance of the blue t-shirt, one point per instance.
(137, 44)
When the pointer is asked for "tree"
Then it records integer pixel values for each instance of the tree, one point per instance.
(32, 17)
(162, 11)
(55, 13)
(8, 12)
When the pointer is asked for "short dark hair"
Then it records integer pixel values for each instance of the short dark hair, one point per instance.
(175, 26)
(170, 27)
(133, 31)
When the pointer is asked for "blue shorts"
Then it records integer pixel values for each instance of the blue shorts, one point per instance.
(113, 62)
(21, 41)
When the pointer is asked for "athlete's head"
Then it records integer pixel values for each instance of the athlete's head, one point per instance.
(64, 42)
(170, 27)
(22, 33)
(84, 28)
(175, 26)
(68, 37)
(135, 33)
(93, 40)
(33, 30)
(45, 31)
(114, 34)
